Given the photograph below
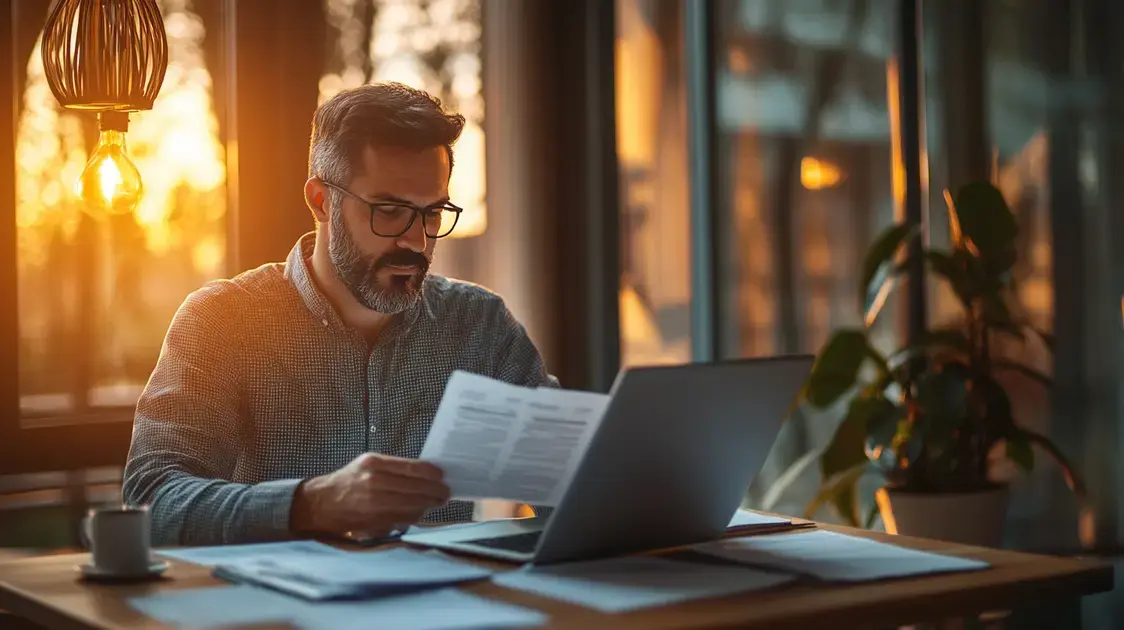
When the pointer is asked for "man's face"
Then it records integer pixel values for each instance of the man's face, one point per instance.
(386, 273)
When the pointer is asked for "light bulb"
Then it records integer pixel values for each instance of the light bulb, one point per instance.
(110, 183)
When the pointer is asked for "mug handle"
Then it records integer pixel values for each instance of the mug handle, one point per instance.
(85, 531)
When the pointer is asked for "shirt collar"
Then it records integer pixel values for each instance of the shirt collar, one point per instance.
(299, 275)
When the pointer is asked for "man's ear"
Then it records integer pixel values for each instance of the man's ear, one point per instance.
(316, 196)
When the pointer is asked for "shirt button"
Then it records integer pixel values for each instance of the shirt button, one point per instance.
(373, 428)
(324, 321)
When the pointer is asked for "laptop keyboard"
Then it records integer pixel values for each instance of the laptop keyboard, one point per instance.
(520, 543)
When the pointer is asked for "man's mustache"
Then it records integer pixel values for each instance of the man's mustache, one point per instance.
(403, 258)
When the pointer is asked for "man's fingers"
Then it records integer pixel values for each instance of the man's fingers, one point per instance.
(433, 492)
(404, 467)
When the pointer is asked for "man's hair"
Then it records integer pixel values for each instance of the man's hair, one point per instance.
(379, 115)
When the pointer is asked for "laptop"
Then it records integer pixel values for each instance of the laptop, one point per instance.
(669, 465)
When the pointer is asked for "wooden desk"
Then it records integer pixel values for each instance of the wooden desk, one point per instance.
(45, 590)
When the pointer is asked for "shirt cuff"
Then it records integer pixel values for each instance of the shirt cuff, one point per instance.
(267, 508)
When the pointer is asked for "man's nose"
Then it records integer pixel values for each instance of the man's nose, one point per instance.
(414, 239)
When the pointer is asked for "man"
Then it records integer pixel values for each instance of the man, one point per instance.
(295, 398)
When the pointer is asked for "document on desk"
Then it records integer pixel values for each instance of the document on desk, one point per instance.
(618, 585)
(211, 556)
(745, 519)
(495, 440)
(835, 557)
(231, 606)
(352, 575)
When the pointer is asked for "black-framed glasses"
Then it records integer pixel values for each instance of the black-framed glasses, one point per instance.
(391, 219)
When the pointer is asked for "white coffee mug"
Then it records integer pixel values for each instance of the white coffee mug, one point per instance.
(119, 539)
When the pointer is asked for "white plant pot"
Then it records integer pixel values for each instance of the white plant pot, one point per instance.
(971, 518)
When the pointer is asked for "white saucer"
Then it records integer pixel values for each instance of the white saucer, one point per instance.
(155, 569)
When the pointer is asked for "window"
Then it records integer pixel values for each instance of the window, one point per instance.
(803, 120)
(433, 46)
(805, 130)
(655, 284)
(96, 293)
(1050, 111)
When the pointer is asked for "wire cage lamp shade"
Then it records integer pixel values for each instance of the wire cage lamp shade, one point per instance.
(105, 55)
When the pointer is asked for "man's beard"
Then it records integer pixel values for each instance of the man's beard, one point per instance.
(359, 272)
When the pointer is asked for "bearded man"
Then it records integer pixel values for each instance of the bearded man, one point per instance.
(294, 399)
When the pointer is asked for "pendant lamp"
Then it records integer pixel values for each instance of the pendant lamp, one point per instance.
(108, 56)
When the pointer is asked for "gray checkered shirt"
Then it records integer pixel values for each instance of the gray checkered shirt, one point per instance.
(260, 385)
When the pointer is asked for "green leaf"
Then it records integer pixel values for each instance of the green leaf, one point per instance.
(848, 445)
(881, 430)
(871, 515)
(947, 267)
(1072, 478)
(886, 374)
(950, 338)
(989, 395)
(1020, 452)
(878, 264)
(837, 368)
(787, 478)
(1027, 371)
(987, 222)
(839, 490)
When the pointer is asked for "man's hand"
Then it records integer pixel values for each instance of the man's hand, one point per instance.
(373, 495)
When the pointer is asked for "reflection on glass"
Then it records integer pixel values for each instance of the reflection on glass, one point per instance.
(806, 182)
(655, 208)
(433, 45)
(803, 117)
(97, 294)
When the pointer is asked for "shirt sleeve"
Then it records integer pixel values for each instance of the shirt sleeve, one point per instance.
(518, 359)
(187, 437)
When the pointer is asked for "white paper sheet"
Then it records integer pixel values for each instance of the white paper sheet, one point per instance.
(230, 606)
(744, 519)
(495, 440)
(393, 567)
(835, 557)
(346, 575)
(211, 556)
(631, 583)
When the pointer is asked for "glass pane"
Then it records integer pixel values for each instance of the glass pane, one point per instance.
(1052, 107)
(433, 46)
(655, 209)
(804, 132)
(96, 293)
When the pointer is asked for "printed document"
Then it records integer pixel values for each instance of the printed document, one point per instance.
(835, 557)
(495, 440)
(625, 584)
(301, 550)
(353, 575)
(241, 605)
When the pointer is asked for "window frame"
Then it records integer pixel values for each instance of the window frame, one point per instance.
(253, 104)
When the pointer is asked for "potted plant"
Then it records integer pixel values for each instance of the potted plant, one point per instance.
(928, 416)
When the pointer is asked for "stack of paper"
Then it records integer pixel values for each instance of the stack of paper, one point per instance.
(630, 583)
(835, 557)
(748, 522)
(230, 606)
(352, 575)
(211, 556)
